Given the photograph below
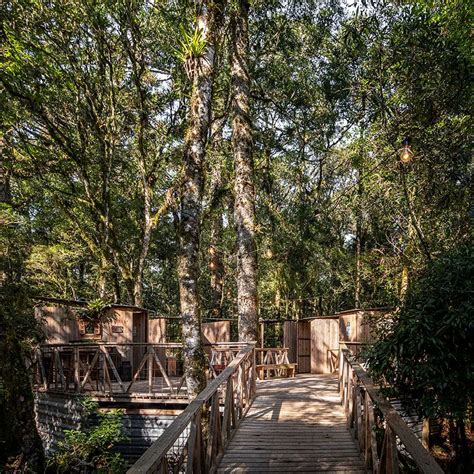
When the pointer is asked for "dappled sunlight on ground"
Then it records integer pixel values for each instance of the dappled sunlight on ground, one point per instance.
(294, 425)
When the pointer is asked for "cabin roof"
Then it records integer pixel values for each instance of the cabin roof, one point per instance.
(325, 316)
(82, 303)
(364, 310)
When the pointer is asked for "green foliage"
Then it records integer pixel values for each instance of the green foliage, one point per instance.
(93, 111)
(426, 355)
(192, 44)
(20, 444)
(95, 309)
(334, 92)
(90, 448)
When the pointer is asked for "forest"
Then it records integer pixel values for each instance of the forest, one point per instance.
(242, 160)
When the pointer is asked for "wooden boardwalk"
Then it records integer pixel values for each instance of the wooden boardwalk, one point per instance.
(294, 425)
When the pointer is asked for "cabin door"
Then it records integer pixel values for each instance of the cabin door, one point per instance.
(138, 335)
(304, 347)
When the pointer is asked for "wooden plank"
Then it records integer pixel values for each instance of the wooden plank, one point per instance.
(137, 372)
(294, 426)
(42, 370)
(324, 338)
(76, 369)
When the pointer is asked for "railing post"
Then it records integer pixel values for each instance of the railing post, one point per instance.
(76, 369)
(254, 372)
(389, 455)
(150, 371)
(425, 435)
(373, 439)
(340, 370)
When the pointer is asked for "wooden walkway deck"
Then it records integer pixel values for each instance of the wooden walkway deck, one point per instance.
(294, 425)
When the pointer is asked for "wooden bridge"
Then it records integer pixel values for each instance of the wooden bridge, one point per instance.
(311, 423)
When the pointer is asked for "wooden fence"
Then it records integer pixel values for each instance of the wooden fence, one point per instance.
(119, 370)
(381, 432)
(195, 441)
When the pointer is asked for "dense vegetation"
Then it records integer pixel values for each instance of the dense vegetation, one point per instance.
(156, 152)
(426, 352)
(90, 448)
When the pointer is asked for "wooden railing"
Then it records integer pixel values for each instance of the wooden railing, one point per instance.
(121, 370)
(385, 441)
(272, 355)
(108, 368)
(196, 439)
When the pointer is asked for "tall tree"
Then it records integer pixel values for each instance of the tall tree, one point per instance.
(199, 55)
(244, 207)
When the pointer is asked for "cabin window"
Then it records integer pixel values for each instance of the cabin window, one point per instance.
(348, 329)
(90, 328)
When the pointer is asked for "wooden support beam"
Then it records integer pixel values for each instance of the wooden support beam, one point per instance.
(113, 368)
(89, 370)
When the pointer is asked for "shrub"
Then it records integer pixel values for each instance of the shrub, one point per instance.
(90, 449)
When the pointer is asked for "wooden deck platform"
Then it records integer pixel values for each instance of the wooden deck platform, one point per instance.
(294, 425)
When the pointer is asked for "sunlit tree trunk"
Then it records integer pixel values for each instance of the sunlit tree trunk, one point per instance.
(244, 209)
(358, 241)
(191, 201)
(216, 267)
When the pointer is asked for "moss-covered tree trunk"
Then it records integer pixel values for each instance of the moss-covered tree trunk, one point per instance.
(201, 74)
(244, 207)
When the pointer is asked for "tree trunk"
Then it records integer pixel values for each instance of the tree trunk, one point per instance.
(244, 207)
(191, 202)
(216, 267)
(359, 231)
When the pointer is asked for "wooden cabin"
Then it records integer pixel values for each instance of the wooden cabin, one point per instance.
(69, 321)
(66, 321)
(313, 343)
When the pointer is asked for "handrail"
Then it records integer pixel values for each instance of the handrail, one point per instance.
(205, 428)
(106, 368)
(360, 396)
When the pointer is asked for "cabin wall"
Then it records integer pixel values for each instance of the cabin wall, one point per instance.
(355, 326)
(54, 414)
(117, 328)
(157, 330)
(59, 323)
(304, 347)
(215, 331)
(290, 340)
(324, 345)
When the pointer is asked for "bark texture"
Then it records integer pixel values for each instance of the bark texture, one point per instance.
(244, 208)
(191, 201)
(216, 268)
